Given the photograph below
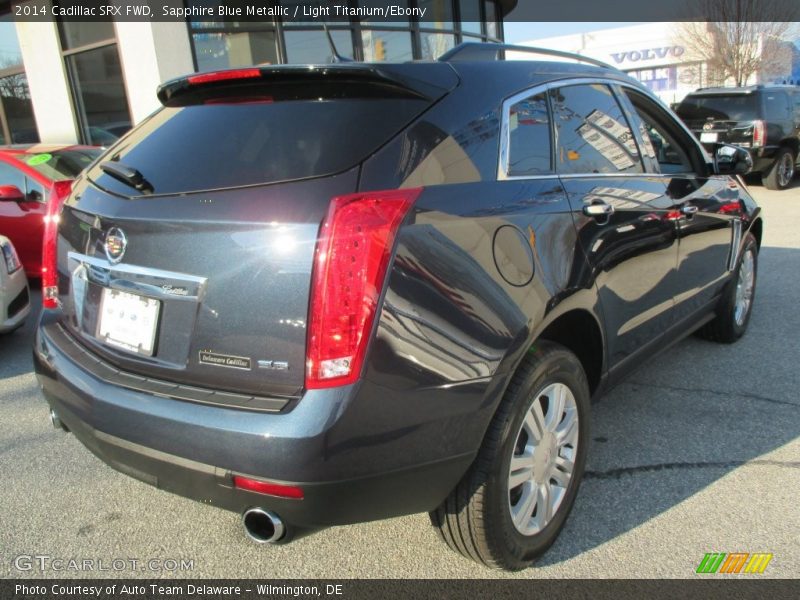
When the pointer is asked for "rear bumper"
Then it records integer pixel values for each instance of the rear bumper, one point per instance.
(350, 469)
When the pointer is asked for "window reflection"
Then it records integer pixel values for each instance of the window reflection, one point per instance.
(15, 99)
(389, 46)
(10, 53)
(529, 137)
(100, 94)
(433, 45)
(313, 47)
(592, 133)
(225, 50)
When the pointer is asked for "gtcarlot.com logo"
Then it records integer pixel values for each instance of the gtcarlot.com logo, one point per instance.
(734, 562)
(45, 562)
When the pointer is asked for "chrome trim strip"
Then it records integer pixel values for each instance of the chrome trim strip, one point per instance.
(124, 277)
(736, 244)
(505, 140)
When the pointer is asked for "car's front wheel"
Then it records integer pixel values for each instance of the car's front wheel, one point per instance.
(781, 174)
(736, 304)
(512, 503)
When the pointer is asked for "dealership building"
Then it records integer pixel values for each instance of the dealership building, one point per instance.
(658, 55)
(88, 82)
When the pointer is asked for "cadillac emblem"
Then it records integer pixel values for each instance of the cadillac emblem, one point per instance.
(115, 244)
(708, 126)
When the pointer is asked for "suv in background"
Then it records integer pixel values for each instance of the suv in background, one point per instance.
(763, 119)
(321, 295)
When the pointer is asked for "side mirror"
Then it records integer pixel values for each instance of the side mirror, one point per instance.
(732, 160)
(11, 193)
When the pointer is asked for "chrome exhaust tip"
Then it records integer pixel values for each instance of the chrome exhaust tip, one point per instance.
(57, 423)
(263, 526)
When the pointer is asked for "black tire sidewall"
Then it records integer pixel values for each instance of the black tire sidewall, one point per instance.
(518, 551)
(770, 181)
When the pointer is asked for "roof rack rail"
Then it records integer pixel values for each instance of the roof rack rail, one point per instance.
(491, 51)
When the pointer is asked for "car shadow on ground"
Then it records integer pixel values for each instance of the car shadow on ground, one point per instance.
(691, 416)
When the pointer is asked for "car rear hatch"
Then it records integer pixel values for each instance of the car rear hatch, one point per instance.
(185, 255)
(721, 117)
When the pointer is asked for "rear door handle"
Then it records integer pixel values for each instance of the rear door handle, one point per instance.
(599, 209)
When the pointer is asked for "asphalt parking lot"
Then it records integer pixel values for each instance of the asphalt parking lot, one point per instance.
(697, 452)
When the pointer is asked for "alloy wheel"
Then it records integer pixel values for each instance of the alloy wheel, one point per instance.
(744, 287)
(786, 169)
(543, 458)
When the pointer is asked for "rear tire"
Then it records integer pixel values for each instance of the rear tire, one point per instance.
(781, 173)
(506, 518)
(736, 305)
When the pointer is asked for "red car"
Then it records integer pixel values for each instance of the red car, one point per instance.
(30, 176)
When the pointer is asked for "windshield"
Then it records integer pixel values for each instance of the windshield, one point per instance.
(734, 107)
(63, 164)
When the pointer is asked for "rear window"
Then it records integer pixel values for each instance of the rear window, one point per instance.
(228, 143)
(63, 164)
(735, 107)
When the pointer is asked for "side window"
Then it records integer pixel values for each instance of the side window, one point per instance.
(529, 137)
(776, 106)
(34, 190)
(662, 138)
(796, 97)
(11, 176)
(592, 135)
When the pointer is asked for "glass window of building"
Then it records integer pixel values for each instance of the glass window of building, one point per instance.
(433, 45)
(17, 124)
(95, 76)
(470, 15)
(223, 50)
(389, 46)
(312, 46)
(10, 53)
(438, 14)
(227, 43)
(75, 34)
(17, 110)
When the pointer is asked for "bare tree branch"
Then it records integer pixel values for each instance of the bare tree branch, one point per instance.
(741, 39)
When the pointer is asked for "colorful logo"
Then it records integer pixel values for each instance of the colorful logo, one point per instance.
(735, 562)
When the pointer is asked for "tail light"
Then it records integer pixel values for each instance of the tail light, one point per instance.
(352, 255)
(227, 75)
(59, 193)
(759, 133)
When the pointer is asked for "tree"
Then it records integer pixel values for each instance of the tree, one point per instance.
(740, 39)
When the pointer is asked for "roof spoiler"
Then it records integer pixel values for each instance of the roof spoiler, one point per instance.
(429, 81)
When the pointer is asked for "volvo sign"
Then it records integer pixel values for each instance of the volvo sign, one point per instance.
(661, 53)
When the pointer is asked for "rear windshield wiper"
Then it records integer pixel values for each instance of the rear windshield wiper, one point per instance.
(127, 175)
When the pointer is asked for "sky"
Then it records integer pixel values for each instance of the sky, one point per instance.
(522, 32)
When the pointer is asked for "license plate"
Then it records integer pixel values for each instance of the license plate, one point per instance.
(128, 321)
(708, 137)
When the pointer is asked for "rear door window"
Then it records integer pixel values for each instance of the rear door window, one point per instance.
(234, 142)
(529, 137)
(592, 134)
